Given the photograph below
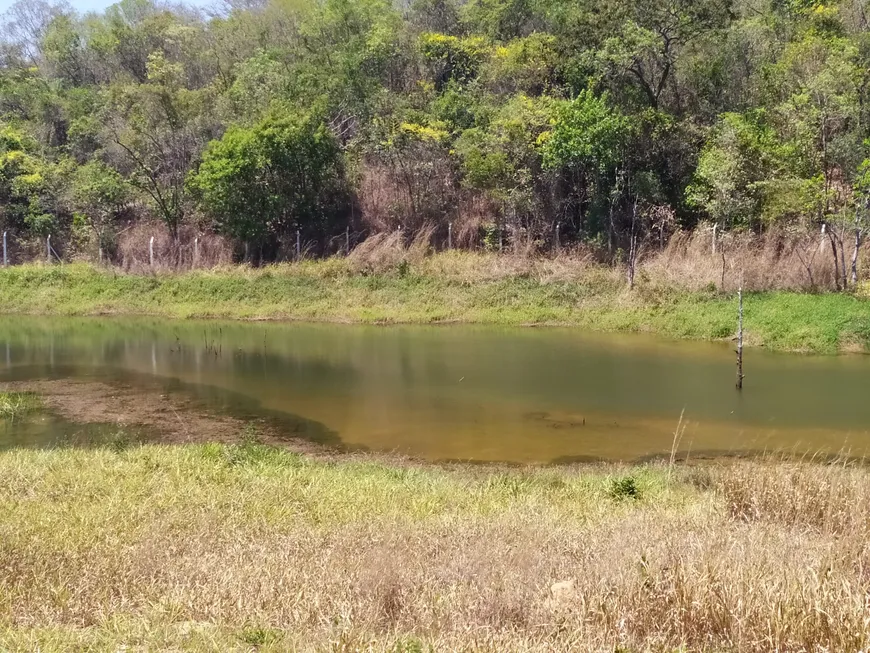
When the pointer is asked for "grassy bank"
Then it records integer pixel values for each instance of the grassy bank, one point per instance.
(231, 547)
(452, 287)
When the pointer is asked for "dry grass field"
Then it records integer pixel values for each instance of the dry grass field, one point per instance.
(247, 547)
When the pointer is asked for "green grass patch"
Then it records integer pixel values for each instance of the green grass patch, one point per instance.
(16, 404)
(440, 291)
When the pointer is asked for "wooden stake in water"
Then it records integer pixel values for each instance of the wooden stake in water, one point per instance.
(740, 337)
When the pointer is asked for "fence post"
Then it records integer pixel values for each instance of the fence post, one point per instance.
(48, 248)
(347, 241)
(5, 259)
(449, 235)
(195, 251)
(557, 238)
(298, 245)
(151, 251)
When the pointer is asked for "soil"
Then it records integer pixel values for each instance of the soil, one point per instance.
(175, 418)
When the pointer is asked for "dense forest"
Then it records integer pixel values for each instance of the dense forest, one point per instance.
(510, 123)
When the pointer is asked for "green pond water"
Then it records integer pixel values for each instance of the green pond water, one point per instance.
(458, 392)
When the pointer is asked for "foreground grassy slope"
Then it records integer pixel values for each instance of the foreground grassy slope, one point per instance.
(442, 292)
(230, 547)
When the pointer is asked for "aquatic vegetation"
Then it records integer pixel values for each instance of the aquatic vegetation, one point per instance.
(15, 404)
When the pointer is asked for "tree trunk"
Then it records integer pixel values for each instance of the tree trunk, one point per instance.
(842, 240)
(836, 258)
(855, 255)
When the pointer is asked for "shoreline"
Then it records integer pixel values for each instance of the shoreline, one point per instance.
(329, 292)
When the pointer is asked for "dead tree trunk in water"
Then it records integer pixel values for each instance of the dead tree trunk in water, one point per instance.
(740, 337)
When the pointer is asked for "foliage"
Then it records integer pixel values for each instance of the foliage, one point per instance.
(278, 176)
(520, 113)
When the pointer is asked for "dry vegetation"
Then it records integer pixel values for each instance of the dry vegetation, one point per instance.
(776, 260)
(231, 547)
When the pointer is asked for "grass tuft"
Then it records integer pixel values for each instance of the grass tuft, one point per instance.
(16, 404)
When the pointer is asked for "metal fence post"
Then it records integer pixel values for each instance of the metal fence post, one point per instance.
(298, 245)
(195, 251)
(5, 259)
(151, 251)
(48, 248)
(449, 235)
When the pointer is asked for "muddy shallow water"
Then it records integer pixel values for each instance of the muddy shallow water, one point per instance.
(445, 393)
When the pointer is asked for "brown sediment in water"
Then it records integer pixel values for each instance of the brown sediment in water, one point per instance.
(175, 418)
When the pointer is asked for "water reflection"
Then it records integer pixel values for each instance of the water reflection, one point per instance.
(467, 392)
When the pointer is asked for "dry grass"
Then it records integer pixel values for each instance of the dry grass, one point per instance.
(133, 249)
(232, 547)
(777, 260)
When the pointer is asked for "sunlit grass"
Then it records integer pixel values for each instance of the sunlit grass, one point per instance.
(229, 547)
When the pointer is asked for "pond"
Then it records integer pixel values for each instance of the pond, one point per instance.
(462, 392)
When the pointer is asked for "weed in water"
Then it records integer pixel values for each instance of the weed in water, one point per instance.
(16, 404)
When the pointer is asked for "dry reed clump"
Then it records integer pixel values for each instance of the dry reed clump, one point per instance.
(829, 499)
(389, 251)
(312, 556)
(775, 260)
(133, 249)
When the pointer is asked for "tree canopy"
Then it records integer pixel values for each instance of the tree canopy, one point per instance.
(272, 116)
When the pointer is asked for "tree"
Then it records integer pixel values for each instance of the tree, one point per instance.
(862, 213)
(741, 155)
(588, 141)
(156, 130)
(260, 184)
(98, 195)
(27, 200)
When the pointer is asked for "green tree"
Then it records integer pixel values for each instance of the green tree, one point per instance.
(98, 195)
(156, 130)
(260, 184)
(740, 160)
